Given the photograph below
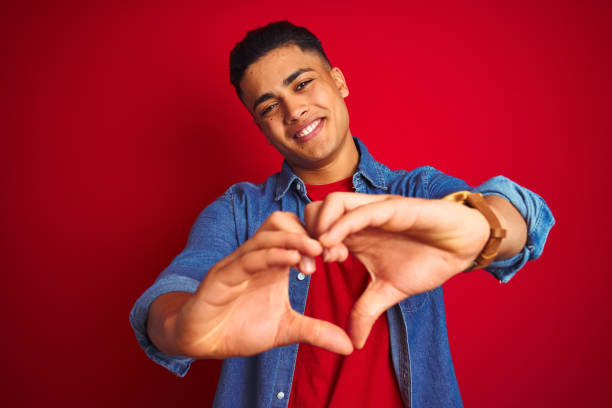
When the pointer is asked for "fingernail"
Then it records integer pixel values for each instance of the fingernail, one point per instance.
(323, 237)
(307, 264)
(326, 255)
(345, 254)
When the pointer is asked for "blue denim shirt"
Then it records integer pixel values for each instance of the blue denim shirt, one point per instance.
(419, 344)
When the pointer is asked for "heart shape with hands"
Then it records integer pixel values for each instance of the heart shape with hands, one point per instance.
(242, 307)
(408, 246)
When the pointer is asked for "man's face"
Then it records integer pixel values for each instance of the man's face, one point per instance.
(297, 101)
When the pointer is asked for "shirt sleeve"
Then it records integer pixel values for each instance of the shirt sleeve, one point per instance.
(532, 207)
(212, 237)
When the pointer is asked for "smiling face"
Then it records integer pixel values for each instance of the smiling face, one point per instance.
(297, 101)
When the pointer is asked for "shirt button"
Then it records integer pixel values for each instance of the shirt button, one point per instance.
(301, 276)
(299, 187)
(280, 395)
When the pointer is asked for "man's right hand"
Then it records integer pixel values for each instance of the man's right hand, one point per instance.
(242, 305)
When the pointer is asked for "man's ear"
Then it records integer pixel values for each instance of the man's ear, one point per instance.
(340, 82)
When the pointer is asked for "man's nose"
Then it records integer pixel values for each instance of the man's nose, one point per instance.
(295, 110)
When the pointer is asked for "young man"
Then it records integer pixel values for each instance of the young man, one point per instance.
(245, 289)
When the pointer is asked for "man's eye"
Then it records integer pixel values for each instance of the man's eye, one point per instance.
(268, 109)
(303, 84)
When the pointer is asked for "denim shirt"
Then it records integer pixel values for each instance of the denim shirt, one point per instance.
(417, 325)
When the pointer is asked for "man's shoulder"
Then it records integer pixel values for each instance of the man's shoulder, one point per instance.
(420, 171)
(414, 182)
(242, 202)
(420, 174)
(395, 181)
(246, 189)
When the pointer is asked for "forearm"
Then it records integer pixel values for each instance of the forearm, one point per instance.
(161, 321)
(514, 224)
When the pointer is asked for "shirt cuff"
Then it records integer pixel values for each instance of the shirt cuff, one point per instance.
(536, 214)
(178, 365)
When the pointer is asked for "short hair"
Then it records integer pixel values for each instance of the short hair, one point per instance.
(260, 41)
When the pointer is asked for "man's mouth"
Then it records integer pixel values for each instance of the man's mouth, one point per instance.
(306, 131)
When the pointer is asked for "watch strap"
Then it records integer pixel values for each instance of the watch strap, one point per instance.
(497, 233)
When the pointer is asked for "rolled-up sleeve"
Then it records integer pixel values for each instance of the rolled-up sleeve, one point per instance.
(212, 237)
(535, 212)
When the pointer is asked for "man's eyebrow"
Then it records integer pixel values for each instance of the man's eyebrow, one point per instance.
(296, 74)
(261, 99)
(286, 82)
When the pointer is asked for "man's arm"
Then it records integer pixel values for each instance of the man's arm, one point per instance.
(161, 321)
(514, 224)
(408, 245)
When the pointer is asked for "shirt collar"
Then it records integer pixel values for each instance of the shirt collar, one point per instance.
(369, 168)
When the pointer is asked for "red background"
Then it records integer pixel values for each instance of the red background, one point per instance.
(119, 126)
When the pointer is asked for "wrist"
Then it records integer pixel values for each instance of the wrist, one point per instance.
(491, 247)
(162, 322)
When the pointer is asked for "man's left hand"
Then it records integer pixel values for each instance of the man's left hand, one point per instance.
(408, 246)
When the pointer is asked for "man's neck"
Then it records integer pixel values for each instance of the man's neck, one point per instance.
(339, 168)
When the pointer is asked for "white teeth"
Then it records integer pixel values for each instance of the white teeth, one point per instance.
(308, 129)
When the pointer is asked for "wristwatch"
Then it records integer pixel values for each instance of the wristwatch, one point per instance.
(491, 248)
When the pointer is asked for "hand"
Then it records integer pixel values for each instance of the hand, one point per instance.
(408, 246)
(242, 306)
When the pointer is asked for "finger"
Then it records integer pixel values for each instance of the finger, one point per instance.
(373, 302)
(308, 247)
(243, 267)
(283, 239)
(336, 205)
(304, 329)
(376, 214)
(311, 216)
(278, 221)
(283, 221)
(337, 253)
(307, 265)
(271, 258)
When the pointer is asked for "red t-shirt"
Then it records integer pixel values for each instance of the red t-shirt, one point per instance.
(365, 378)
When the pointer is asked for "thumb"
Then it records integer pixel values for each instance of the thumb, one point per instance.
(311, 218)
(304, 329)
(373, 302)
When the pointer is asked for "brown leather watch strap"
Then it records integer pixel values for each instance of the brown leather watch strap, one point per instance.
(491, 248)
